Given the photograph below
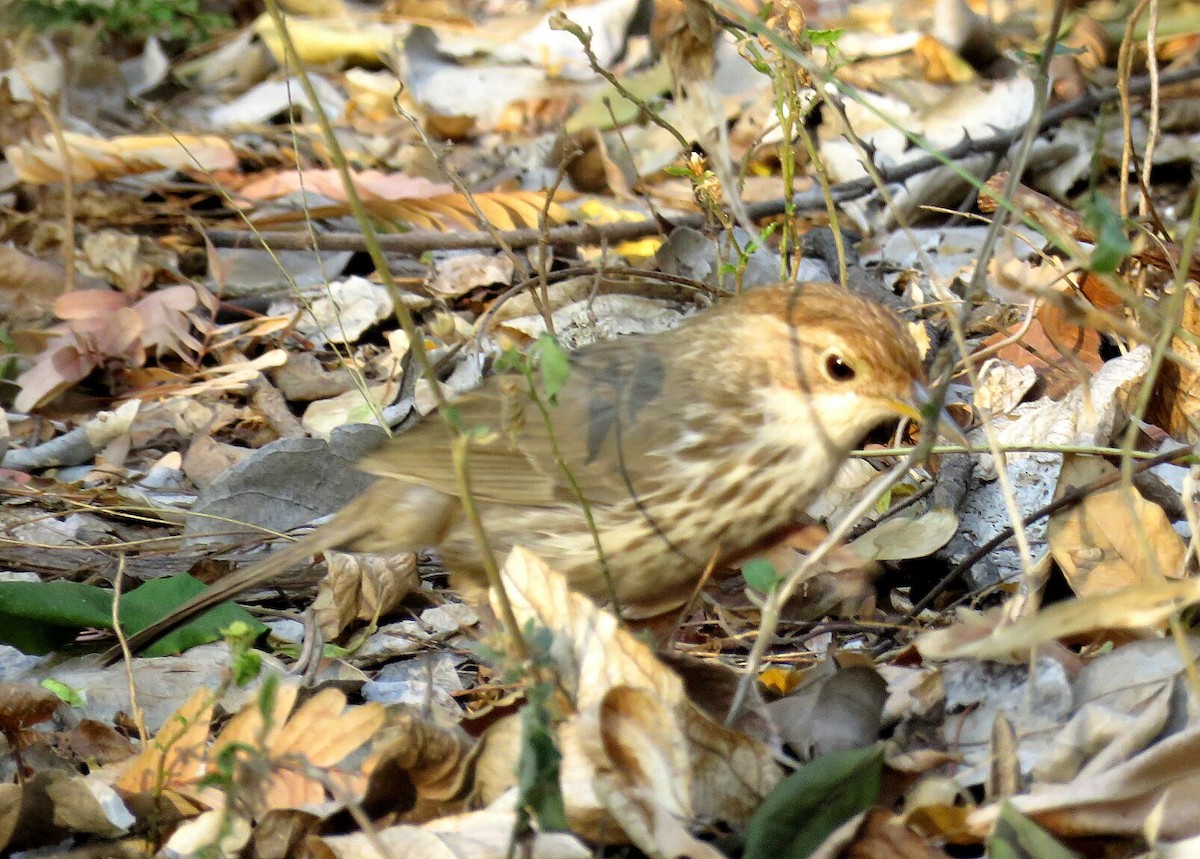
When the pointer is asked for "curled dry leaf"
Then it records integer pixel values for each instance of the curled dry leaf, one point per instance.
(433, 758)
(594, 656)
(640, 757)
(904, 538)
(1096, 555)
(322, 733)
(54, 804)
(1161, 781)
(23, 705)
(362, 587)
(1176, 403)
(1140, 607)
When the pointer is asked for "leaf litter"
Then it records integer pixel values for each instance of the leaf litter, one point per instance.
(163, 364)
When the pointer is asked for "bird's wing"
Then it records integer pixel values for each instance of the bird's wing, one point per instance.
(608, 420)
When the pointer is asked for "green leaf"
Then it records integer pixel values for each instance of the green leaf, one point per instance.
(67, 694)
(510, 359)
(761, 575)
(538, 765)
(1018, 837)
(823, 38)
(553, 364)
(40, 617)
(802, 811)
(1112, 245)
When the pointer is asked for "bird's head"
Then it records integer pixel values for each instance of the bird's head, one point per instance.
(835, 365)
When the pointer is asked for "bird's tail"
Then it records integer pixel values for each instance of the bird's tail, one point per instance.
(344, 528)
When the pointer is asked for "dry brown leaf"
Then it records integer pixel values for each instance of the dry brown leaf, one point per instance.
(1176, 403)
(1111, 539)
(594, 655)
(176, 756)
(640, 757)
(881, 837)
(433, 759)
(371, 184)
(362, 587)
(940, 64)
(325, 40)
(833, 709)
(321, 733)
(10, 812)
(23, 705)
(506, 210)
(93, 159)
(483, 834)
(54, 804)
(1163, 780)
(28, 286)
(903, 538)
(100, 326)
(1141, 607)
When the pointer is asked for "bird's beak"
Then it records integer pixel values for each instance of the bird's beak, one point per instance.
(919, 407)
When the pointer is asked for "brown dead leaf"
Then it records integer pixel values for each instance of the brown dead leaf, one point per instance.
(940, 64)
(100, 326)
(881, 837)
(1175, 405)
(833, 709)
(28, 286)
(94, 743)
(431, 757)
(1060, 351)
(1141, 607)
(92, 159)
(271, 184)
(1163, 781)
(175, 758)
(321, 733)
(1112, 539)
(23, 705)
(54, 804)
(485, 834)
(594, 655)
(10, 812)
(640, 757)
(362, 587)
(903, 538)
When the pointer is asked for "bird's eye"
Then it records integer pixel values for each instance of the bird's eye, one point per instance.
(837, 369)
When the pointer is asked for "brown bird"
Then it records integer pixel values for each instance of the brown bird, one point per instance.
(698, 442)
